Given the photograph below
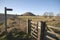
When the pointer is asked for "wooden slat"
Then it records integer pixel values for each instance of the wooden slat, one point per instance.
(53, 33)
(34, 36)
(34, 30)
(50, 38)
(34, 33)
(54, 27)
(33, 22)
(33, 26)
(50, 29)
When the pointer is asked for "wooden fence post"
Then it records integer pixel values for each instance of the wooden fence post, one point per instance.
(43, 30)
(29, 27)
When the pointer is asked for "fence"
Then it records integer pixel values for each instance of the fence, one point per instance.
(39, 30)
(51, 34)
(42, 31)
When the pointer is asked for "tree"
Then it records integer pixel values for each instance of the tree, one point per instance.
(45, 14)
(51, 14)
(58, 15)
(48, 14)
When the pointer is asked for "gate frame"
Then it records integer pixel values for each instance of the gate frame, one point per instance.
(43, 29)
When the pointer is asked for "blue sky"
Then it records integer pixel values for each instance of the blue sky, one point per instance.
(37, 7)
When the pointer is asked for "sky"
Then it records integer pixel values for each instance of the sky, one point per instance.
(37, 7)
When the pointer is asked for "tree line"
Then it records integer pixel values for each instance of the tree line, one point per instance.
(50, 14)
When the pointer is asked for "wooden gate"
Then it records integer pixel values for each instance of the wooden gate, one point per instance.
(41, 31)
(34, 30)
(37, 30)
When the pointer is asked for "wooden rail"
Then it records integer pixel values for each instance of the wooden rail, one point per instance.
(57, 28)
(52, 33)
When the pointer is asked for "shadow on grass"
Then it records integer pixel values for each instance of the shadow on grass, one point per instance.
(18, 36)
(15, 35)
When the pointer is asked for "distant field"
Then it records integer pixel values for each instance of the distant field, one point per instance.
(54, 21)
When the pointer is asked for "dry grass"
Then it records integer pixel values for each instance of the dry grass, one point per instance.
(10, 22)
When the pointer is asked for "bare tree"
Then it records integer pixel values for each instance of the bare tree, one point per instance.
(45, 14)
(51, 14)
(58, 15)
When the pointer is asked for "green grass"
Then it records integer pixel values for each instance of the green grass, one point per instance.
(15, 36)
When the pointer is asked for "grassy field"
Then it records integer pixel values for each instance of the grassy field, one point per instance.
(54, 21)
(14, 26)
